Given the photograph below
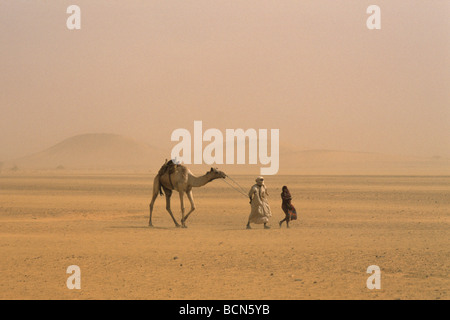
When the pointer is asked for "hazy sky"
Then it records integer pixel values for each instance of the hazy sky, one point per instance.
(309, 68)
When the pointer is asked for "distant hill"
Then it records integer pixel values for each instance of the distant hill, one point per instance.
(95, 152)
(333, 162)
(116, 152)
(350, 162)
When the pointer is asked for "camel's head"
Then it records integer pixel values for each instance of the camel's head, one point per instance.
(216, 174)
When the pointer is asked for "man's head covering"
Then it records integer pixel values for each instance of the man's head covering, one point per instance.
(259, 179)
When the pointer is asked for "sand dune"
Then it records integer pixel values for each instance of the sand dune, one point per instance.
(347, 162)
(94, 151)
(116, 152)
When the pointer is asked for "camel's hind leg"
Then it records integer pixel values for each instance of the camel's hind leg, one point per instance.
(168, 193)
(156, 188)
(151, 209)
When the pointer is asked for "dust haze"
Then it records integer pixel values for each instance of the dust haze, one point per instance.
(143, 69)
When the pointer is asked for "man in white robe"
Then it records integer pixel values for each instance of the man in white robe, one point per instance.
(260, 212)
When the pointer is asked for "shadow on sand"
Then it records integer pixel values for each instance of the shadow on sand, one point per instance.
(141, 227)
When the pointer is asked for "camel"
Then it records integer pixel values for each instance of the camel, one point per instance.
(177, 177)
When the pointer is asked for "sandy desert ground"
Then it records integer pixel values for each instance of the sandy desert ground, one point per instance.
(346, 223)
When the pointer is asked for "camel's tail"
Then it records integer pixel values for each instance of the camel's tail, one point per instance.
(157, 187)
(161, 193)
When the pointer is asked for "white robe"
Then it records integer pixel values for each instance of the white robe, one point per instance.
(260, 206)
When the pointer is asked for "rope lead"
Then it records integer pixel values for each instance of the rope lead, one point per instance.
(240, 191)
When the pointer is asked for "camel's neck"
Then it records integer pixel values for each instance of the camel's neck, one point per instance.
(200, 181)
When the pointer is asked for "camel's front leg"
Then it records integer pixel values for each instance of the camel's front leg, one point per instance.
(191, 200)
(168, 195)
(183, 225)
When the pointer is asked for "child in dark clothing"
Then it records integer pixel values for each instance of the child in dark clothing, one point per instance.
(288, 208)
